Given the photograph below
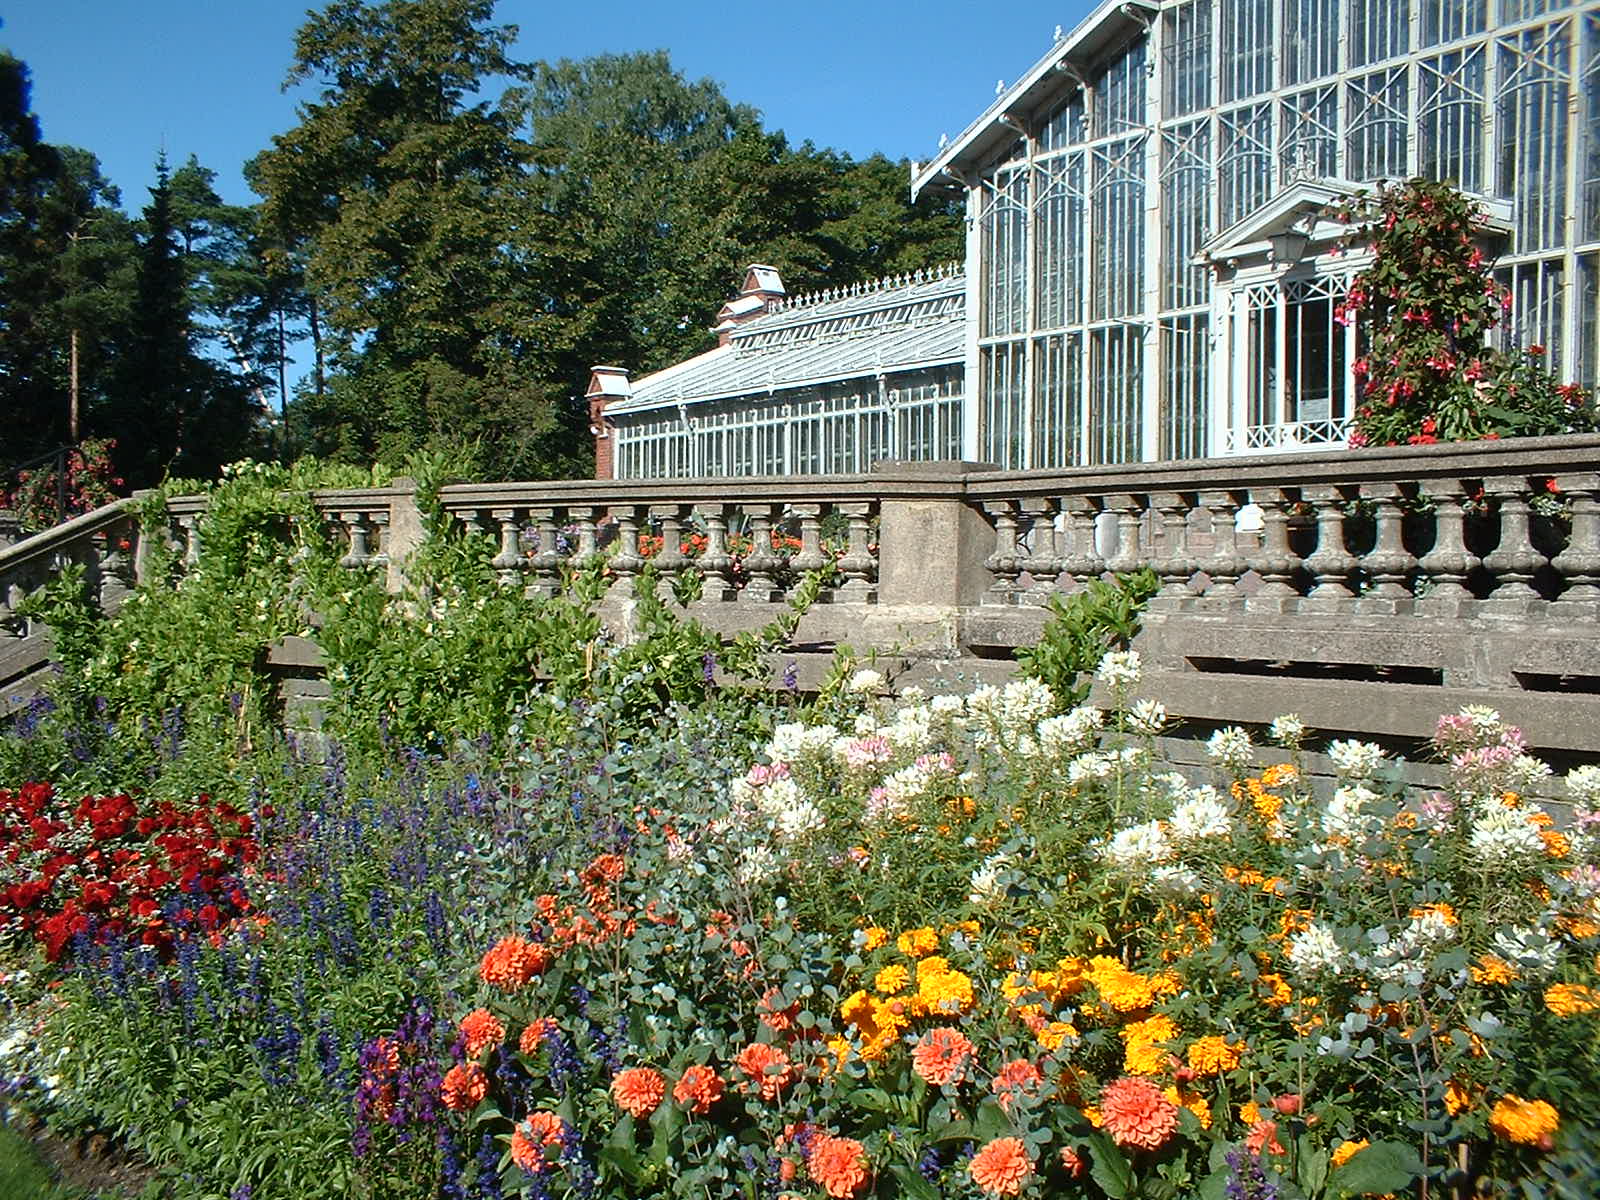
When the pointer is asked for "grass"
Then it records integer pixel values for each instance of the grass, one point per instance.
(24, 1175)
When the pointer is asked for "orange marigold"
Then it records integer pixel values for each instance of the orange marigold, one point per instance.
(1001, 1167)
(1213, 1055)
(918, 942)
(1137, 1114)
(1492, 969)
(638, 1090)
(942, 1055)
(1524, 1122)
(698, 1089)
(839, 1164)
(1571, 999)
(482, 1029)
(768, 1067)
(511, 962)
(534, 1034)
(1347, 1150)
(463, 1087)
(540, 1129)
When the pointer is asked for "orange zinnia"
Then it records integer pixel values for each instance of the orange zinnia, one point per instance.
(1263, 1139)
(511, 962)
(698, 1089)
(1017, 1077)
(839, 1164)
(528, 1142)
(768, 1067)
(463, 1086)
(638, 1090)
(482, 1029)
(941, 1055)
(1001, 1167)
(1136, 1113)
(534, 1034)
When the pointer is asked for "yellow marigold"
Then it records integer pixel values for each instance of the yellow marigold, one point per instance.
(1571, 999)
(1441, 909)
(1277, 991)
(876, 936)
(1120, 988)
(1556, 843)
(1345, 1151)
(839, 1049)
(1071, 974)
(1156, 1028)
(1091, 1114)
(1193, 1101)
(1144, 1058)
(1052, 1034)
(969, 929)
(917, 943)
(1249, 1113)
(1279, 774)
(1578, 928)
(1492, 969)
(1523, 1122)
(943, 992)
(1212, 1055)
(892, 980)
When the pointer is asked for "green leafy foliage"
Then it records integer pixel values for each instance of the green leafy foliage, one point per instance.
(1085, 626)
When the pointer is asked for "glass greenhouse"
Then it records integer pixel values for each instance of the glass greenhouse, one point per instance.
(1150, 270)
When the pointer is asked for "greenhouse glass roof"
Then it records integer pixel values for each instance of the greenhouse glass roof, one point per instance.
(895, 324)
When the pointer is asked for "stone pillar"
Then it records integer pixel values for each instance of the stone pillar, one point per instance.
(932, 548)
(405, 531)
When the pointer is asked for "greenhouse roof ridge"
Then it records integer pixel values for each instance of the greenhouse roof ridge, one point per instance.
(868, 287)
(993, 126)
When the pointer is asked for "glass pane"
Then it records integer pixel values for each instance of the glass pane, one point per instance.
(1379, 29)
(1309, 144)
(1532, 104)
(1185, 213)
(1117, 253)
(1375, 114)
(1185, 390)
(1119, 94)
(1451, 103)
(1447, 20)
(1246, 49)
(1244, 165)
(1308, 52)
(1187, 59)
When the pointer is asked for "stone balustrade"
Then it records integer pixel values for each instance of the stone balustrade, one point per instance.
(1369, 590)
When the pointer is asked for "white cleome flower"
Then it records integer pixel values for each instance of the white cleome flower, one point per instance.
(1504, 836)
(1583, 785)
(866, 680)
(1530, 948)
(796, 820)
(1178, 882)
(1315, 951)
(1202, 815)
(1231, 747)
(1346, 815)
(1138, 846)
(757, 864)
(1070, 732)
(1288, 730)
(1148, 716)
(1119, 669)
(1355, 759)
(1526, 771)
(947, 706)
(987, 881)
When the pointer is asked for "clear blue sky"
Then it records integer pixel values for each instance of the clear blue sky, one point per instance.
(123, 78)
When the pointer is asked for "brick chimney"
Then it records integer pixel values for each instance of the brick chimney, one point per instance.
(762, 290)
(605, 385)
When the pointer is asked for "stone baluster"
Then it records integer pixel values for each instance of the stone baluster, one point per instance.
(1004, 564)
(544, 566)
(716, 562)
(1128, 556)
(472, 521)
(379, 550)
(811, 556)
(1446, 566)
(189, 524)
(1276, 562)
(1222, 566)
(586, 548)
(762, 563)
(1514, 561)
(670, 560)
(1331, 563)
(858, 566)
(11, 625)
(116, 566)
(1082, 562)
(1389, 564)
(1579, 563)
(1174, 563)
(508, 562)
(626, 562)
(355, 530)
(1044, 556)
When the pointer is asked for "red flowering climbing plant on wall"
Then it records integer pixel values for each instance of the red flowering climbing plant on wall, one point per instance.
(1427, 305)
